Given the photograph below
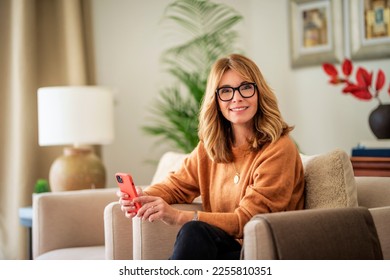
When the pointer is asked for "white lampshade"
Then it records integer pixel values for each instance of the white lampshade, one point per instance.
(76, 115)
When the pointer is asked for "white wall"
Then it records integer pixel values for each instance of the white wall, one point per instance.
(129, 40)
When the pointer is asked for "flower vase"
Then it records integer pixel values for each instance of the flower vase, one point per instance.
(379, 121)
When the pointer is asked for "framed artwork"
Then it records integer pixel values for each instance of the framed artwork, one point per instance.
(316, 33)
(369, 29)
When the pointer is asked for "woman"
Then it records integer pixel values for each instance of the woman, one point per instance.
(244, 164)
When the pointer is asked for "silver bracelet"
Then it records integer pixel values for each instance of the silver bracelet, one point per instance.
(195, 218)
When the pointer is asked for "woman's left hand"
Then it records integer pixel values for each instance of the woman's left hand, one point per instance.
(155, 208)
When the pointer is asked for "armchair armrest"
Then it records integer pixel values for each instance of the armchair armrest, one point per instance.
(118, 233)
(381, 217)
(346, 233)
(69, 219)
(127, 239)
(154, 241)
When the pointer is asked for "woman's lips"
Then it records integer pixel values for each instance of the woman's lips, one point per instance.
(238, 109)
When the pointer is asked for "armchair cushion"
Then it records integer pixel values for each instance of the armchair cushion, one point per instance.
(76, 253)
(169, 162)
(329, 180)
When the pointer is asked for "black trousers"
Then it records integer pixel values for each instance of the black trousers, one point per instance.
(198, 240)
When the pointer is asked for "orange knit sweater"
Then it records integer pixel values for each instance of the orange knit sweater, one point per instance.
(272, 180)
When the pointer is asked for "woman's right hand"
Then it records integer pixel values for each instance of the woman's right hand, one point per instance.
(127, 204)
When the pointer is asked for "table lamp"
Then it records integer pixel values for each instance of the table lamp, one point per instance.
(77, 117)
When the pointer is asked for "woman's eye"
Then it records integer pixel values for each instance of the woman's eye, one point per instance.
(225, 90)
(246, 86)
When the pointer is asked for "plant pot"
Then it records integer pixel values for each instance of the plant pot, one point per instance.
(379, 121)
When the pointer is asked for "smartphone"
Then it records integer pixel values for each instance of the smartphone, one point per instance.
(126, 184)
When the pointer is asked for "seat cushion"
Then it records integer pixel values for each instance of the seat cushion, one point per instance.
(329, 180)
(76, 253)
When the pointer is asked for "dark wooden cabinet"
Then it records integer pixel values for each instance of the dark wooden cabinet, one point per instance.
(371, 166)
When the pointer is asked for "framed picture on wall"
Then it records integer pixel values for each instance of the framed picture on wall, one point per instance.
(316, 33)
(369, 29)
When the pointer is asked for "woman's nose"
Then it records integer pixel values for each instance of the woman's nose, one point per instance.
(236, 95)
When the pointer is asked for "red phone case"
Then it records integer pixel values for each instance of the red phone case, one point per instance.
(126, 185)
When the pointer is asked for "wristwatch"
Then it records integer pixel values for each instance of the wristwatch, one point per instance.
(195, 218)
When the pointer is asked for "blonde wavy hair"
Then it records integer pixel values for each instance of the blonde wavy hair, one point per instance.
(215, 130)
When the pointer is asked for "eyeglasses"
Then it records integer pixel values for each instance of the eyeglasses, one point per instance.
(246, 90)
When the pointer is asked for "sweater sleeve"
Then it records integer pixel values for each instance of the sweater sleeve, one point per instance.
(277, 186)
(181, 186)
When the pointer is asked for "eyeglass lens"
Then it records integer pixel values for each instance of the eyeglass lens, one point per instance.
(227, 93)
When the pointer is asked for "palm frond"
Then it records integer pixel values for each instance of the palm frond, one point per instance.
(198, 17)
(175, 119)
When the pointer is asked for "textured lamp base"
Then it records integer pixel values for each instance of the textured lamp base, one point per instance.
(76, 169)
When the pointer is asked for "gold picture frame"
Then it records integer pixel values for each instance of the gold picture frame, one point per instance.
(316, 33)
(369, 29)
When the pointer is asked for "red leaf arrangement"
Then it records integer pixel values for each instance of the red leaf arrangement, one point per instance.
(362, 89)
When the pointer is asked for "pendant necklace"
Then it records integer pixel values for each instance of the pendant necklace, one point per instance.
(236, 178)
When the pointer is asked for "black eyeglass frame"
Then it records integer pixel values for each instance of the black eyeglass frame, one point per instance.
(234, 91)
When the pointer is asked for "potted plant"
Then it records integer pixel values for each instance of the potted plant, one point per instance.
(208, 28)
(41, 186)
(364, 89)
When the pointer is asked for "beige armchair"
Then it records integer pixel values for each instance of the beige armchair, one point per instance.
(330, 183)
(69, 225)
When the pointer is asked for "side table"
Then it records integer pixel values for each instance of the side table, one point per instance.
(25, 219)
(371, 166)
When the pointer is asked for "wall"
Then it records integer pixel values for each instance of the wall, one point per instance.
(129, 40)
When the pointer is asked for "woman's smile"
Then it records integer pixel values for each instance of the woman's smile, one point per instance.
(239, 108)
